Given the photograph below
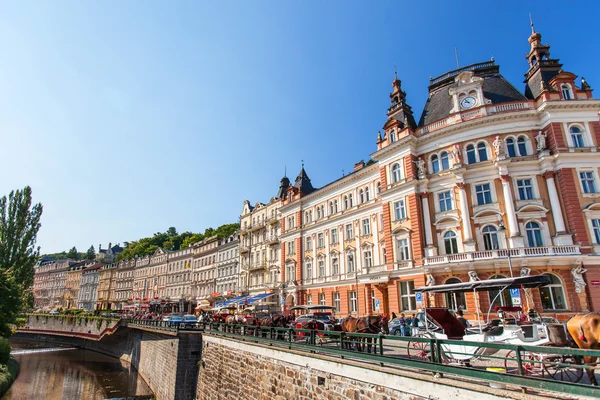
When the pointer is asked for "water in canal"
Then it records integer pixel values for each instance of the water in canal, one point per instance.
(55, 373)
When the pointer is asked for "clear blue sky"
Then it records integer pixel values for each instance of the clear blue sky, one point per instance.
(130, 117)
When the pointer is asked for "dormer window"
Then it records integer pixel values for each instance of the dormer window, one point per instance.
(566, 92)
(392, 136)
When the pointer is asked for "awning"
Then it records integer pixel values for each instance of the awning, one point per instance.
(230, 301)
(488, 285)
(259, 297)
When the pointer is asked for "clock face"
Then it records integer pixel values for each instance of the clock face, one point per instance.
(468, 102)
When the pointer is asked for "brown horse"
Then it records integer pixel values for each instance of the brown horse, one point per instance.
(372, 324)
(234, 319)
(585, 331)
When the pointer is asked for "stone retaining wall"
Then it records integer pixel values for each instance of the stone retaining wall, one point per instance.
(69, 325)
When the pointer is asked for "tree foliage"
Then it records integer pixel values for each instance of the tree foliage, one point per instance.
(73, 254)
(19, 226)
(171, 240)
(90, 254)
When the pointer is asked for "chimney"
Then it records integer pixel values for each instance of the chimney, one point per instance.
(359, 165)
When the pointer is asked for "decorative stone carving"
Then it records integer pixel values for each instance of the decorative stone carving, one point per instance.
(541, 141)
(473, 276)
(578, 280)
(430, 280)
(420, 166)
(498, 144)
(456, 154)
(525, 272)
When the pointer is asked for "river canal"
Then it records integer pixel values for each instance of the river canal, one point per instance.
(54, 373)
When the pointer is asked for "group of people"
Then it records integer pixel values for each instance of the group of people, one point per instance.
(408, 326)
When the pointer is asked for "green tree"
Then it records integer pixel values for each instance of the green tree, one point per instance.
(19, 226)
(73, 254)
(90, 254)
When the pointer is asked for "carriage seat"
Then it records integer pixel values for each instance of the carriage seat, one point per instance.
(491, 325)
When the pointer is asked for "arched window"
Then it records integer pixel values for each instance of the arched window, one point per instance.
(566, 92)
(522, 145)
(482, 151)
(392, 136)
(490, 237)
(306, 220)
(471, 155)
(576, 136)
(335, 206)
(346, 202)
(553, 295)
(455, 301)
(361, 196)
(534, 234)
(367, 193)
(445, 162)
(435, 164)
(510, 147)
(497, 298)
(318, 212)
(396, 173)
(331, 208)
(378, 187)
(350, 199)
(450, 242)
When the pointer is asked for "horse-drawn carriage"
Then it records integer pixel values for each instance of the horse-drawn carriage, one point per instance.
(440, 323)
(317, 317)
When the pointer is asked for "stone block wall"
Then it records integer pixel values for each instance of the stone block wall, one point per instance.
(91, 328)
(238, 370)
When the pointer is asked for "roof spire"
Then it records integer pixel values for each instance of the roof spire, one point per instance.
(284, 170)
(395, 73)
(531, 24)
(302, 163)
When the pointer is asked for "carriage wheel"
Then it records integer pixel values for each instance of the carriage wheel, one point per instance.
(562, 368)
(418, 351)
(530, 362)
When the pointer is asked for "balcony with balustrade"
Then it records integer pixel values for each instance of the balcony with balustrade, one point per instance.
(272, 239)
(522, 252)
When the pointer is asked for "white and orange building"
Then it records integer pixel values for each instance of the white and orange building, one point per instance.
(490, 182)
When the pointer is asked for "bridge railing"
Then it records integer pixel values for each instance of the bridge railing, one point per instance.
(547, 368)
(172, 326)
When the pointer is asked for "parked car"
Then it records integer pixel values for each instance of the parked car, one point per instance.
(396, 328)
(189, 321)
(175, 320)
(166, 318)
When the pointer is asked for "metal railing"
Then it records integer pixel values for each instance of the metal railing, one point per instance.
(546, 368)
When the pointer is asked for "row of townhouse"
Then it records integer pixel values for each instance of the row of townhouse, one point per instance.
(177, 280)
(490, 183)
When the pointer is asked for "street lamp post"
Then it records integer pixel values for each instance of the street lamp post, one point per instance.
(502, 228)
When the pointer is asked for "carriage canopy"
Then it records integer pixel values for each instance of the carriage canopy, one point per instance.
(489, 284)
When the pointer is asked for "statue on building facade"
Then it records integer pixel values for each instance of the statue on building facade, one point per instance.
(498, 144)
(430, 280)
(456, 154)
(578, 280)
(525, 272)
(420, 166)
(473, 276)
(541, 141)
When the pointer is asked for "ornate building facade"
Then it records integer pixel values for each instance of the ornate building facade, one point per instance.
(491, 182)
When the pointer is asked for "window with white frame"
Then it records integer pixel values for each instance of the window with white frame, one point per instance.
(577, 136)
(336, 301)
(476, 153)
(331, 212)
(435, 163)
(349, 232)
(450, 242)
(361, 196)
(318, 212)
(335, 206)
(445, 201)
(366, 226)
(321, 268)
(392, 136)
(308, 243)
(553, 295)
(402, 251)
(350, 262)
(350, 200)
(345, 202)
(367, 196)
(309, 299)
(378, 187)
(396, 173)
(399, 210)
(483, 193)
(291, 247)
(407, 296)
(322, 300)
(566, 92)
(490, 237)
(353, 301)
(518, 147)
(367, 256)
(596, 229)
(534, 234)
(588, 181)
(335, 266)
(334, 236)
(525, 189)
(373, 301)
(320, 241)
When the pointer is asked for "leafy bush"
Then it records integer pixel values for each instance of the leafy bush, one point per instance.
(4, 350)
